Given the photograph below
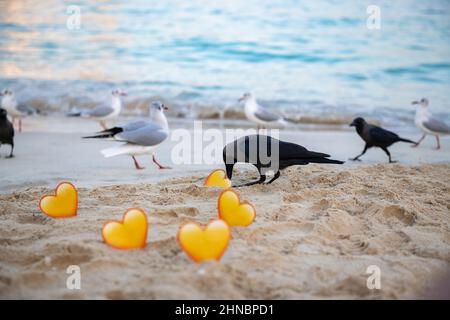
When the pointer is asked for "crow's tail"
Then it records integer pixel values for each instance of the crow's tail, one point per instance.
(324, 160)
(406, 140)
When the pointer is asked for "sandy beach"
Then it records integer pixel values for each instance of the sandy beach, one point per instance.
(317, 228)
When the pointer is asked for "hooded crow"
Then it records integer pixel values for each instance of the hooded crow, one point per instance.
(269, 154)
(376, 137)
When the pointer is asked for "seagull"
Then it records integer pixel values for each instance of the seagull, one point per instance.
(104, 112)
(6, 131)
(15, 109)
(269, 154)
(428, 124)
(376, 137)
(258, 114)
(139, 137)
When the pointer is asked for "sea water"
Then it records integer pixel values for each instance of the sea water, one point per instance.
(312, 57)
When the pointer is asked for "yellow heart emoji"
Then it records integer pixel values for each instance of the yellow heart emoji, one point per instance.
(204, 243)
(63, 204)
(130, 233)
(233, 211)
(218, 178)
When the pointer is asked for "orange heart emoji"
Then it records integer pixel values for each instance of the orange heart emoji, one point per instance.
(130, 233)
(204, 243)
(218, 178)
(63, 204)
(233, 211)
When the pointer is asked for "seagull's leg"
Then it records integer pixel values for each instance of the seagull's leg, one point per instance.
(262, 178)
(418, 142)
(438, 143)
(136, 164)
(20, 124)
(389, 154)
(275, 177)
(357, 157)
(103, 124)
(160, 166)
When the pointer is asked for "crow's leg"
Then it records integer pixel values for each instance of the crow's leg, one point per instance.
(389, 154)
(11, 153)
(275, 177)
(438, 143)
(418, 142)
(160, 166)
(364, 151)
(262, 178)
(136, 164)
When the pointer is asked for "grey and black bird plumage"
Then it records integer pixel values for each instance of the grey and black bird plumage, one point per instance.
(6, 131)
(375, 136)
(269, 154)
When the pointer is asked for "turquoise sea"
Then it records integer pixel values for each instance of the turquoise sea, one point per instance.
(316, 57)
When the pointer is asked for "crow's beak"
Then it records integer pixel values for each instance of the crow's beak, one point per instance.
(415, 102)
(352, 124)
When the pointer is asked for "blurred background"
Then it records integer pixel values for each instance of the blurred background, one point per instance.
(311, 57)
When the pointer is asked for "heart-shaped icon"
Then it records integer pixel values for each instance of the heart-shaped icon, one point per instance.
(130, 233)
(218, 178)
(233, 211)
(204, 243)
(63, 204)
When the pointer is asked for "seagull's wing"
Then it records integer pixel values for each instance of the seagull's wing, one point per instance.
(436, 125)
(100, 111)
(134, 125)
(25, 109)
(381, 135)
(149, 135)
(265, 115)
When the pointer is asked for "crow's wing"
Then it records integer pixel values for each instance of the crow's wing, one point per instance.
(381, 135)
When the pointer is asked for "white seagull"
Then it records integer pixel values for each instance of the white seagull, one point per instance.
(429, 124)
(139, 137)
(15, 109)
(104, 112)
(258, 114)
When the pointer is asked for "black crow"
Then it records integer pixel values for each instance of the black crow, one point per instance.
(376, 137)
(6, 131)
(269, 154)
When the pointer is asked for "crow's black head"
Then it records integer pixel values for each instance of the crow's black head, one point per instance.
(3, 113)
(358, 123)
